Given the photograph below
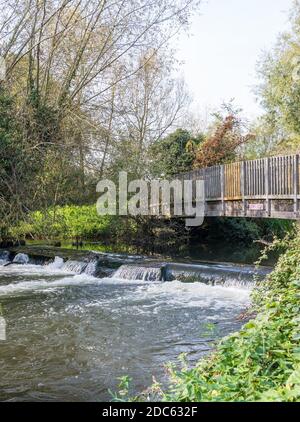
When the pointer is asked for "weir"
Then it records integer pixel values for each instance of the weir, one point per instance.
(143, 273)
(215, 274)
(226, 275)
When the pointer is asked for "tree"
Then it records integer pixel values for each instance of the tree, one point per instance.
(70, 64)
(174, 154)
(14, 159)
(279, 90)
(266, 139)
(226, 138)
(143, 109)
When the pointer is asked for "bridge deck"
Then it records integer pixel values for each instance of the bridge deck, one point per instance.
(264, 188)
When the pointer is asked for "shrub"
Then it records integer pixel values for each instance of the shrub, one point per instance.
(66, 222)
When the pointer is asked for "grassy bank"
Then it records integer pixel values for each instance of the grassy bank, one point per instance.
(72, 223)
(261, 362)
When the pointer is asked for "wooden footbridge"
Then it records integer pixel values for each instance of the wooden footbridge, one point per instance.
(264, 188)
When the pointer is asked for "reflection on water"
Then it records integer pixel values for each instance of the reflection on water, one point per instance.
(70, 336)
(230, 252)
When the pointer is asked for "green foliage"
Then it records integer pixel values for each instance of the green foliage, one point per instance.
(8, 133)
(11, 159)
(123, 389)
(280, 88)
(143, 234)
(261, 362)
(126, 157)
(67, 222)
(244, 230)
(174, 154)
(266, 139)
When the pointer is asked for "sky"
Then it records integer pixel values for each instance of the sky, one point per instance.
(220, 53)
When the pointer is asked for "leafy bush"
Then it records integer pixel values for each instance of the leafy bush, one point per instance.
(174, 154)
(67, 222)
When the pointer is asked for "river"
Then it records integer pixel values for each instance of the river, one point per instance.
(70, 335)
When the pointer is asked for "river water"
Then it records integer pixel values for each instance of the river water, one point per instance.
(69, 336)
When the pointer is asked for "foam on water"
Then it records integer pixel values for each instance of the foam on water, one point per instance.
(57, 264)
(216, 274)
(173, 292)
(28, 269)
(195, 294)
(232, 290)
(151, 298)
(44, 284)
(21, 258)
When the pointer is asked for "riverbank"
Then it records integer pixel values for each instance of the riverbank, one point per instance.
(218, 239)
(261, 362)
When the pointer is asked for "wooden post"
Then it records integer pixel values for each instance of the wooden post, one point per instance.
(223, 189)
(267, 186)
(296, 183)
(243, 186)
(205, 179)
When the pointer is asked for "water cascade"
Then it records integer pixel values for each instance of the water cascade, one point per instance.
(77, 267)
(226, 275)
(212, 274)
(137, 272)
(21, 258)
(57, 264)
(4, 257)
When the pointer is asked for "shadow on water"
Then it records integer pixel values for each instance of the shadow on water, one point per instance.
(221, 251)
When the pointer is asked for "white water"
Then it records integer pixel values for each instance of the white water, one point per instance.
(91, 268)
(57, 264)
(4, 256)
(219, 277)
(43, 284)
(74, 266)
(135, 272)
(21, 258)
(194, 294)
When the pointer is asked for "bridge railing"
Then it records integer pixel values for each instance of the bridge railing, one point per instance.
(266, 187)
(272, 176)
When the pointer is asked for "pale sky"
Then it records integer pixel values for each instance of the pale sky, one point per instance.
(226, 39)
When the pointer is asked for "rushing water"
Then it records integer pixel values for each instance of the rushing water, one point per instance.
(69, 336)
